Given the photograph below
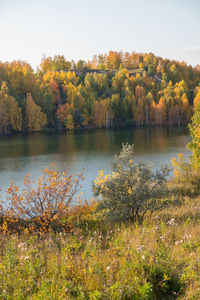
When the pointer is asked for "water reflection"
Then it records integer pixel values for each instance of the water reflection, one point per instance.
(92, 150)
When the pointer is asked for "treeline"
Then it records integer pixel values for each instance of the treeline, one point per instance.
(133, 89)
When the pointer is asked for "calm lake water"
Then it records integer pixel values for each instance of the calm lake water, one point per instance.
(92, 150)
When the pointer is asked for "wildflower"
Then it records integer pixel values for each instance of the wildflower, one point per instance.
(108, 268)
(171, 222)
(178, 242)
(185, 237)
(130, 191)
(140, 248)
(21, 246)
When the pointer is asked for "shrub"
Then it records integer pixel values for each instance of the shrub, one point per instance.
(132, 189)
(194, 145)
(186, 177)
(187, 174)
(41, 204)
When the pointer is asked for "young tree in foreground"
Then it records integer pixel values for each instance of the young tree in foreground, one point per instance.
(132, 189)
(194, 146)
(41, 201)
(187, 173)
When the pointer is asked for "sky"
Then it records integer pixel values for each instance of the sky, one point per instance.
(79, 29)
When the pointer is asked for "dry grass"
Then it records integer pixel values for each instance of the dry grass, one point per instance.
(101, 260)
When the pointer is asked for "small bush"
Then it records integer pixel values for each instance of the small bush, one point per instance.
(132, 189)
(194, 145)
(42, 204)
(186, 177)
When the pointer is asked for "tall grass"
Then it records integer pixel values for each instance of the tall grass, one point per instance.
(101, 260)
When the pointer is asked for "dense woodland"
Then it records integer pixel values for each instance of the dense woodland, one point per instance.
(115, 89)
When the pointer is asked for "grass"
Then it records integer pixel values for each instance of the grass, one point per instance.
(102, 260)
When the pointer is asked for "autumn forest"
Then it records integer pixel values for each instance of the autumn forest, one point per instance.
(111, 90)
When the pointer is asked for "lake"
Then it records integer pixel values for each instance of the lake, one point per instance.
(92, 150)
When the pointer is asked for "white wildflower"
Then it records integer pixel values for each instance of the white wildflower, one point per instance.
(108, 268)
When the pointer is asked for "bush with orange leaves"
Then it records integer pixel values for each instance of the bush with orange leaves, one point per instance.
(40, 206)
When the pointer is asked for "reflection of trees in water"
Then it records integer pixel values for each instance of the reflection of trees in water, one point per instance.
(92, 150)
(69, 143)
(37, 145)
(65, 143)
(26, 145)
(91, 141)
(157, 138)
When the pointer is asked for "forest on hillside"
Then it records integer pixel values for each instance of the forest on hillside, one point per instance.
(115, 89)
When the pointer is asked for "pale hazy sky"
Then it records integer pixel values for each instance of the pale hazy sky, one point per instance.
(79, 29)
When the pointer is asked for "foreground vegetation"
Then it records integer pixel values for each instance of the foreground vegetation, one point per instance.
(103, 260)
(85, 253)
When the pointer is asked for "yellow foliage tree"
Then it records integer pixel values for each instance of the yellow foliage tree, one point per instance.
(10, 114)
(197, 97)
(99, 112)
(69, 122)
(35, 119)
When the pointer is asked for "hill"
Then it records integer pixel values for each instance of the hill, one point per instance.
(115, 89)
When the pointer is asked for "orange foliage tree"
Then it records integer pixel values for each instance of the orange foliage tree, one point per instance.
(65, 115)
(41, 202)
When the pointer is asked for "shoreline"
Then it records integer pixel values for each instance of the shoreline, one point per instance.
(93, 128)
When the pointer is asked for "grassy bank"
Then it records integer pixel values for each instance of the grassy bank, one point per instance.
(98, 259)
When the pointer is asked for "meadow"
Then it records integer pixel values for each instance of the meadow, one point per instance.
(99, 259)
